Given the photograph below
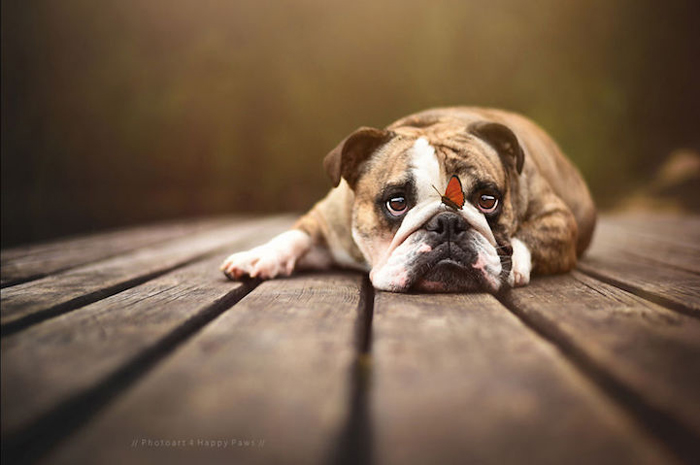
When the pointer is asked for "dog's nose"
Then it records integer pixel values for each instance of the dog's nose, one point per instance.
(447, 226)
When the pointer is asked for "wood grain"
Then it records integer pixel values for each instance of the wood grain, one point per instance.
(137, 341)
(649, 350)
(27, 263)
(650, 245)
(664, 273)
(682, 229)
(96, 341)
(274, 368)
(459, 379)
(65, 291)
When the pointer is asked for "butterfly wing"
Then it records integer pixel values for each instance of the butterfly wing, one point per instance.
(454, 191)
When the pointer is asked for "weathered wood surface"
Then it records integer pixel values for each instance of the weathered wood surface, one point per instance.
(650, 245)
(650, 257)
(650, 352)
(275, 369)
(150, 342)
(35, 300)
(26, 263)
(675, 228)
(458, 379)
(98, 340)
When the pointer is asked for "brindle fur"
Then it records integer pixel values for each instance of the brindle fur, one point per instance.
(547, 206)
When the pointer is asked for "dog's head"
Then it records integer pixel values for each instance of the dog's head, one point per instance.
(410, 238)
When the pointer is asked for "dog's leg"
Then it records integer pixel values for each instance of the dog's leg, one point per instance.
(521, 264)
(305, 246)
(277, 257)
(545, 243)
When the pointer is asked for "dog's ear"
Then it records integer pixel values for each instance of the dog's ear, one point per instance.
(502, 139)
(345, 160)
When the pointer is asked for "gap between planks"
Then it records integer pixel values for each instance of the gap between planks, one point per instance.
(654, 257)
(34, 440)
(26, 304)
(615, 279)
(321, 318)
(70, 408)
(677, 436)
(28, 263)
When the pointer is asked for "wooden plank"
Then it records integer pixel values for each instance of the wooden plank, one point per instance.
(649, 352)
(95, 342)
(27, 263)
(676, 289)
(616, 258)
(684, 229)
(459, 379)
(274, 368)
(649, 245)
(26, 303)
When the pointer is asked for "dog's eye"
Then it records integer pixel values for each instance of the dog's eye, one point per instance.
(486, 201)
(397, 205)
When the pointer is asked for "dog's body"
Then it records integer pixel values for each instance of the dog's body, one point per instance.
(527, 208)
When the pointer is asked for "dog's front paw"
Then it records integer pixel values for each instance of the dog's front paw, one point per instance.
(277, 257)
(521, 265)
(257, 263)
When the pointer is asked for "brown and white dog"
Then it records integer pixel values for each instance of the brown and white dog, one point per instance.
(527, 208)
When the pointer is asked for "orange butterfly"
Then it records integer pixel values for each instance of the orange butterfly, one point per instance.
(454, 196)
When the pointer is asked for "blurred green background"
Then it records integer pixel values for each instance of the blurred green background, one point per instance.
(116, 112)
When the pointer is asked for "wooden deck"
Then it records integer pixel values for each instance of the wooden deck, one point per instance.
(131, 347)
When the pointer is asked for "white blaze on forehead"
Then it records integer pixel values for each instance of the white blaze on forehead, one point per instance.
(425, 169)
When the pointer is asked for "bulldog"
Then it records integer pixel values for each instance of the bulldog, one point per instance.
(526, 209)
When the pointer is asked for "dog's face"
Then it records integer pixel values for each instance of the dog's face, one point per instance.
(411, 239)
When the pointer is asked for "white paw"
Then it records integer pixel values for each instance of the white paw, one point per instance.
(260, 262)
(277, 257)
(521, 264)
